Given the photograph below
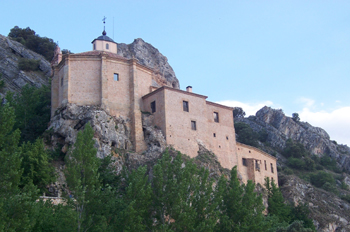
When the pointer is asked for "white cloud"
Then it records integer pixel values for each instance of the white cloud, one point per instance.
(306, 101)
(249, 108)
(336, 122)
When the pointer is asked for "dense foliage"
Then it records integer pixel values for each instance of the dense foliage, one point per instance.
(41, 45)
(32, 111)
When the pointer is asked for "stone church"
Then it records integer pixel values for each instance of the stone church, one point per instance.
(123, 87)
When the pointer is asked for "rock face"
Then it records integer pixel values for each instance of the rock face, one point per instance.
(15, 79)
(280, 128)
(150, 57)
(327, 210)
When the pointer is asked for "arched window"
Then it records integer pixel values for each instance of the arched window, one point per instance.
(107, 46)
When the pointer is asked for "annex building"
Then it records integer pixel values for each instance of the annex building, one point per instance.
(123, 87)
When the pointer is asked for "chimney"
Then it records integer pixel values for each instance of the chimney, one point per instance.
(189, 89)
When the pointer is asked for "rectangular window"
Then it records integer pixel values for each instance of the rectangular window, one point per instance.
(193, 125)
(116, 77)
(271, 167)
(244, 162)
(216, 117)
(265, 165)
(94, 46)
(185, 105)
(257, 165)
(107, 46)
(153, 106)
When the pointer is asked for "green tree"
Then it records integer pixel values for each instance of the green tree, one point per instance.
(246, 134)
(277, 207)
(17, 205)
(32, 110)
(295, 150)
(295, 117)
(182, 196)
(36, 165)
(28, 37)
(82, 177)
(241, 208)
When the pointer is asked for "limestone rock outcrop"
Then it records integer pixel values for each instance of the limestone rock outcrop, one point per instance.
(110, 132)
(150, 57)
(14, 78)
(328, 211)
(279, 128)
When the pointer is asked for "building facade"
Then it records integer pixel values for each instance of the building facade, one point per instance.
(123, 87)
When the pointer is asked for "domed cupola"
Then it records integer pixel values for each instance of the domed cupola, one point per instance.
(104, 43)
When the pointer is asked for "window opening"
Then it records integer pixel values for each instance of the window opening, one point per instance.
(271, 167)
(214, 134)
(193, 125)
(244, 162)
(257, 165)
(94, 46)
(226, 137)
(62, 81)
(216, 117)
(107, 46)
(265, 165)
(153, 106)
(116, 77)
(185, 105)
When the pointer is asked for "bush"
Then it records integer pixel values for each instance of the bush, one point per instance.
(346, 197)
(28, 64)
(321, 178)
(329, 187)
(246, 134)
(41, 45)
(309, 164)
(288, 171)
(296, 163)
(296, 150)
(329, 163)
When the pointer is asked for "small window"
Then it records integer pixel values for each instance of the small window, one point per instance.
(227, 139)
(153, 106)
(107, 46)
(244, 162)
(257, 165)
(271, 167)
(214, 134)
(185, 105)
(265, 165)
(94, 46)
(62, 81)
(193, 125)
(116, 77)
(216, 117)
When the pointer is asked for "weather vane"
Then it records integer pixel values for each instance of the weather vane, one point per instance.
(104, 25)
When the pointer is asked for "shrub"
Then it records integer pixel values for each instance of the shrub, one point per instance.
(296, 150)
(309, 164)
(28, 64)
(246, 134)
(346, 197)
(288, 171)
(296, 163)
(320, 178)
(329, 187)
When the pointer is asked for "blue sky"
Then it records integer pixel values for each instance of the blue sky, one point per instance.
(293, 55)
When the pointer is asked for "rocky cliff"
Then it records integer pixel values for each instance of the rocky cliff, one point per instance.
(329, 212)
(279, 128)
(150, 57)
(14, 78)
